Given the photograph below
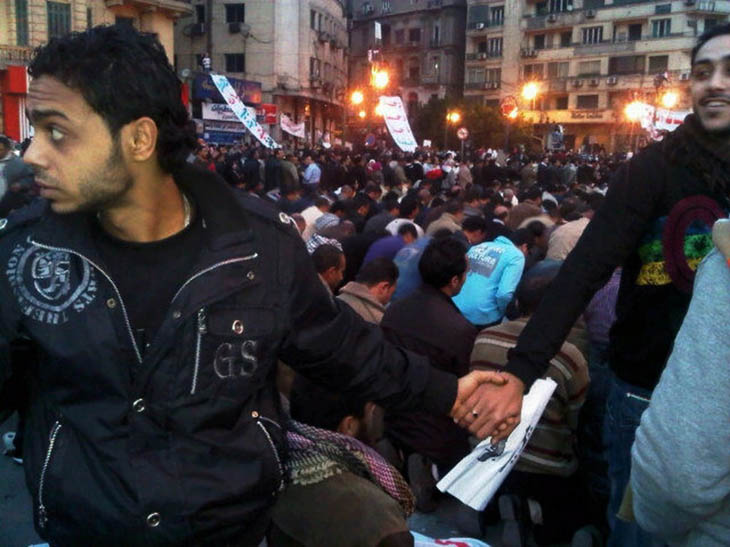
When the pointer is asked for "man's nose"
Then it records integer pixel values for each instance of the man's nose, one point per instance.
(33, 155)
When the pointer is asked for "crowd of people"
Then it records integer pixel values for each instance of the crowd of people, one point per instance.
(217, 344)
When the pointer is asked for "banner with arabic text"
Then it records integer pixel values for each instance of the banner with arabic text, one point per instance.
(242, 113)
(296, 129)
(397, 122)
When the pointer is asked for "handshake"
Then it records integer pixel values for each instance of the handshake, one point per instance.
(488, 404)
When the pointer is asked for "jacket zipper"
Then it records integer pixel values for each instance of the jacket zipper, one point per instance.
(42, 514)
(114, 286)
(213, 267)
(273, 449)
(202, 329)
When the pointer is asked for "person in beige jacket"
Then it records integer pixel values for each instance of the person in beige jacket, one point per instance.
(372, 289)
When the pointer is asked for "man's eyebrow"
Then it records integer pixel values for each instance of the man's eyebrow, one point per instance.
(36, 115)
(710, 61)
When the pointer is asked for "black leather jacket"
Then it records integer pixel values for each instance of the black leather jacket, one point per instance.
(182, 446)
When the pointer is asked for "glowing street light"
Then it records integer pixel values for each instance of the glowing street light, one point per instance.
(357, 97)
(513, 114)
(362, 114)
(530, 91)
(633, 111)
(670, 99)
(381, 78)
(378, 110)
(453, 117)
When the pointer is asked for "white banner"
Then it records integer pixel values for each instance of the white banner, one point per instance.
(666, 120)
(296, 129)
(242, 113)
(397, 123)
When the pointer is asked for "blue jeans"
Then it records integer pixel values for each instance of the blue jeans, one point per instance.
(624, 407)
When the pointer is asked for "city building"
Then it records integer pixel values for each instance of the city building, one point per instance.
(26, 24)
(589, 58)
(284, 57)
(422, 46)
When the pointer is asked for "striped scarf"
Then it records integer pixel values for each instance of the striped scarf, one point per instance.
(316, 454)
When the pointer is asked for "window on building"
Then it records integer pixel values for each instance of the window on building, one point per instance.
(635, 32)
(587, 101)
(59, 19)
(592, 35)
(494, 75)
(663, 8)
(436, 35)
(312, 19)
(21, 22)
(710, 22)
(414, 71)
(558, 70)
(385, 30)
(494, 47)
(496, 15)
(235, 13)
(400, 36)
(475, 76)
(435, 64)
(589, 68)
(89, 18)
(414, 35)
(385, 6)
(561, 102)
(658, 64)
(539, 41)
(478, 14)
(314, 67)
(532, 71)
(399, 67)
(661, 27)
(628, 64)
(320, 21)
(556, 6)
(199, 13)
(124, 21)
(566, 38)
(235, 62)
(482, 47)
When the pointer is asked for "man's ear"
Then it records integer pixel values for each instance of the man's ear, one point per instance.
(349, 425)
(139, 139)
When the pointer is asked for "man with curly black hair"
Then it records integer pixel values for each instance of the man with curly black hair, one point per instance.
(160, 300)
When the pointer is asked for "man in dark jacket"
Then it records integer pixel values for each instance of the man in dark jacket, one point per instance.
(429, 323)
(160, 300)
(655, 222)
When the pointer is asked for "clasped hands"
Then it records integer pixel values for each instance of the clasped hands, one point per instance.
(488, 403)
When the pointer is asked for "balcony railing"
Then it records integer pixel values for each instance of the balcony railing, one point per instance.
(483, 55)
(14, 55)
(484, 25)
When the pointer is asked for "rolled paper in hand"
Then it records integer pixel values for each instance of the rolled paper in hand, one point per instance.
(721, 237)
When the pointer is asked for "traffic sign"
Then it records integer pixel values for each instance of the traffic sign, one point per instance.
(462, 133)
(508, 105)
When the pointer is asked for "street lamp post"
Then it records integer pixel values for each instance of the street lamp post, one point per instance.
(454, 117)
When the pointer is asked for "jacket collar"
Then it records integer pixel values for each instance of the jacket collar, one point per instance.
(224, 218)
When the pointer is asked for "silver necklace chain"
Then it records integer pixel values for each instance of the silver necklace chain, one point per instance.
(187, 211)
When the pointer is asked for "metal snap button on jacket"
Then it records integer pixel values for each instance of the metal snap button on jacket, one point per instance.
(138, 405)
(153, 520)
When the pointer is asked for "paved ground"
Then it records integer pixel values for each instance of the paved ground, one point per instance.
(452, 519)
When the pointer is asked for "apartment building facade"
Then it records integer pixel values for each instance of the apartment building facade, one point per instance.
(590, 58)
(26, 24)
(287, 56)
(422, 46)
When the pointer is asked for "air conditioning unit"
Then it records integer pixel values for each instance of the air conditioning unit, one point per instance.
(689, 2)
(527, 52)
(552, 18)
(480, 26)
(590, 13)
(621, 37)
(494, 85)
(532, 53)
(612, 80)
(684, 76)
(197, 29)
(594, 82)
(577, 83)
(234, 28)
(482, 55)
